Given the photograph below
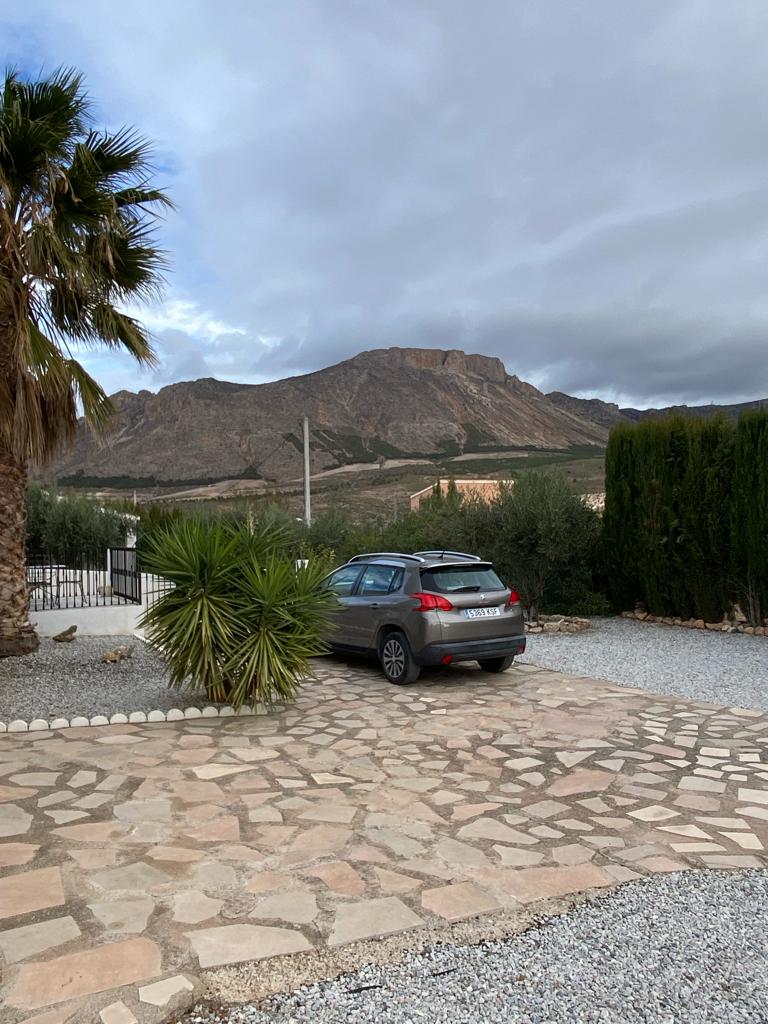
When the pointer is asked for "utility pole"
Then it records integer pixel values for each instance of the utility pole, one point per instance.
(307, 500)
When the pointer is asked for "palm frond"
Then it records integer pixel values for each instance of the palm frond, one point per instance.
(77, 216)
(137, 195)
(39, 122)
(118, 330)
(92, 398)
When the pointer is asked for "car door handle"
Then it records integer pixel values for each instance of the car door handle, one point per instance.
(374, 604)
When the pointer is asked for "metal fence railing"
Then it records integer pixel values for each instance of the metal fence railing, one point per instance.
(124, 575)
(89, 580)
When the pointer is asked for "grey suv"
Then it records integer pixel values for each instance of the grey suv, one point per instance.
(430, 608)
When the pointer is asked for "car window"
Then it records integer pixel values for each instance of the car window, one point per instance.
(460, 579)
(379, 579)
(342, 581)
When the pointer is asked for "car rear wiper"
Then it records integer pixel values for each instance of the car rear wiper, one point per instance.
(464, 590)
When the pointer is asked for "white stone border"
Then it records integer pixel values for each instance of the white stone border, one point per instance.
(133, 718)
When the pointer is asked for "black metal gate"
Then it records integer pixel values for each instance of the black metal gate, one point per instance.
(124, 575)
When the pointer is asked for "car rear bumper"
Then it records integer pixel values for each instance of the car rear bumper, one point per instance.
(471, 650)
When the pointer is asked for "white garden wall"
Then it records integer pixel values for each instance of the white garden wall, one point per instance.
(104, 620)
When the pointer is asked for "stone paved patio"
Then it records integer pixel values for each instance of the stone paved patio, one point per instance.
(133, 857)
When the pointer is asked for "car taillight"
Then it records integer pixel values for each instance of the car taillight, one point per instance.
(432, 602)
(514, 598)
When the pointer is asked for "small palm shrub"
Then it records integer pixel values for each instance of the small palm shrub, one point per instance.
(241, 622)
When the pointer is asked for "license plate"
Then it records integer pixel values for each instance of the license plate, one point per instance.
(482, 613)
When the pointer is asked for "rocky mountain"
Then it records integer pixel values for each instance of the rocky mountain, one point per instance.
(605, 414)
(396, 403)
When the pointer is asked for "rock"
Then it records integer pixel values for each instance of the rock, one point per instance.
(66, 636)
(120, 653)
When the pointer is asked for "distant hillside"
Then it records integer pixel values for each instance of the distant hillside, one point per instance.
(394, 402)
(397, 403)
(605, 414)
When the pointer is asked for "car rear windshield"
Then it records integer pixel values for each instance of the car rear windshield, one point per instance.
(460, 579)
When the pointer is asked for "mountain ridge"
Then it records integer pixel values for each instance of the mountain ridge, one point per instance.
(390, 403)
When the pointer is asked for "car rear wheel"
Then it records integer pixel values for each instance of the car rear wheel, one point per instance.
(496, 664)
(397, 661)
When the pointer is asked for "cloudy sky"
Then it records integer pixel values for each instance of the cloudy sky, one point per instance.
(578, 188)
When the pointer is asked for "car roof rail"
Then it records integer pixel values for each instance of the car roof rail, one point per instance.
(453, 554)
(386, 554)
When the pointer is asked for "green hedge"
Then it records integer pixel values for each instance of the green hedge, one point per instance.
(686, 516)
(67, 527)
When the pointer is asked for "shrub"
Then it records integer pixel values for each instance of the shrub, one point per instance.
(541, 537)
(67, 526)
(545, 541)
(241, 622)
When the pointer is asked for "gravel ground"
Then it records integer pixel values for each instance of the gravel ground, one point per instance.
(70, 679)
(685, 947)
(722, 668)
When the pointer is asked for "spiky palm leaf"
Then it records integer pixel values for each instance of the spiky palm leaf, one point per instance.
(238, 626)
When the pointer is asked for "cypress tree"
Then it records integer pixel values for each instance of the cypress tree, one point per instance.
(750, 514)
(620, 544)
(680, 535)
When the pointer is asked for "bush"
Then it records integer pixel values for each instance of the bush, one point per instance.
(67, 527)
(545, 541)
(241, 622)
(542, 538)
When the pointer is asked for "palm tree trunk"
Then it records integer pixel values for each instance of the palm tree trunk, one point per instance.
(17, 636)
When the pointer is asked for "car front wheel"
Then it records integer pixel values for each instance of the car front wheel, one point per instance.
(397, 661)
(496, 664)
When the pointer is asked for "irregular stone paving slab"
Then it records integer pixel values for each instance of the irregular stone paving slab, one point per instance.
(339, 877)
(160, 993)
(117, 1013)
(370, 919)
(194, 907)
(235, 943)
(293, 907)
(30, 891)
(13, 820)
(531, 884)
(13, 854)
(459, 901)
(80, 974)
(20, 943)
(137, 877)
(357, 811)
(123, 915)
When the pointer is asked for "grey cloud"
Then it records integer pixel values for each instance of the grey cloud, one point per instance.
(576, 188)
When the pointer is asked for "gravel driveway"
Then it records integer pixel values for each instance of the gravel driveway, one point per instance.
(724, 668)
(684, 947)
(70, 679)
